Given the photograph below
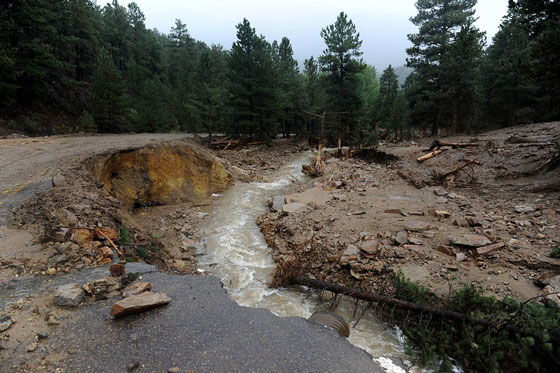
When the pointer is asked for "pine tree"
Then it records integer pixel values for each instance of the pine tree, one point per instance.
(439, 21)
(287, 85)
(388, 92)
(510, 89)
(109, 100)
(252, 87)
(341, 64)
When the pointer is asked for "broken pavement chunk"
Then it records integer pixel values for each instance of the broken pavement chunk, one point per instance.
(139, 303)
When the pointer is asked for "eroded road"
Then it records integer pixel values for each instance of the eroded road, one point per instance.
(27, 165)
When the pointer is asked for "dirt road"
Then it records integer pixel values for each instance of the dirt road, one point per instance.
(27, 165)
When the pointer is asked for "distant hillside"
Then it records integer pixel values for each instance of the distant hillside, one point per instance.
(403, 72)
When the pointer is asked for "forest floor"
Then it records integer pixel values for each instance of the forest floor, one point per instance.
(360, 223)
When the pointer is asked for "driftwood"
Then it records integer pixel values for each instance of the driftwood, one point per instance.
(410, 179)
(429, 155)
(438, 144)
(440, 177)
(311, 170)
(415, 307)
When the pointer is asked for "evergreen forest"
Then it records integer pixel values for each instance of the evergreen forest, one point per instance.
(75, 66)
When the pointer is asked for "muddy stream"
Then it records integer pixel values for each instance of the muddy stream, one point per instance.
(236, 252)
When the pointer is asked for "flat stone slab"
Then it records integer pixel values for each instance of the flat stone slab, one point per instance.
(416, 226)
(471, 240)
(139, 303)
(136, 288)
(525, 208)
(277, 202)
(313, 196)
(290, 208)
(489, 248)
(69, 295)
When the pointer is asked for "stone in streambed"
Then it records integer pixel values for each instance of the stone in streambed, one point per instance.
(69, 295)
(416, 226)
(139, 303)
(293, 207)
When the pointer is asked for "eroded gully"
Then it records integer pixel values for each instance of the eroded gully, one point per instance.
(235, 251)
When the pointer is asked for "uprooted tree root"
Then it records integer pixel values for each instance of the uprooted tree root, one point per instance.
(374, 155)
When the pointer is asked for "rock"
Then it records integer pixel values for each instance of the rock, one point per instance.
(139, 303)
(117, 270)
(113, 234)
(443, 214)
(313, 196)
(69, 295)
(32, 347)
(474, 221)
(440, 192)
(416, 226)
(58, 179)
(60, 235)
(59, 259)
(415, 241)
(52, 321)
(136, 288)
(174, 370)
(293, 207)
(460, 257)
(370, 247)
(429, 234)
(82, 237)
(164, 175)
(461, 222)
(351, 213)
(447, 250)
(350, 254)
(525, 208)
(401, 238)
(488, 249)
(552, 287)
(103, 286)
(5, 323)
(471, 240)
(277, 202)
(51, 271)
(106, 252)
(132, 366)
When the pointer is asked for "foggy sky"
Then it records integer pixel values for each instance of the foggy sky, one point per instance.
(383, 25)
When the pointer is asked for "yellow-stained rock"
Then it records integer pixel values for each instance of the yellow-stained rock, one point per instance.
(82, 237)
(164, 175)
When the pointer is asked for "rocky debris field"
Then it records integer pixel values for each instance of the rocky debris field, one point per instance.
(362, 222)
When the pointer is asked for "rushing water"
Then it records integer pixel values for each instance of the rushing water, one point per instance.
(236, 252)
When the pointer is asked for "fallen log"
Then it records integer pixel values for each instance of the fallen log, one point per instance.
(429, 155)
(398, 303)
(438, 144)
(440, 177)
(410, 179)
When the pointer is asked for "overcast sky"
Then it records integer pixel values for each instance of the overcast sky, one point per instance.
(382, 24)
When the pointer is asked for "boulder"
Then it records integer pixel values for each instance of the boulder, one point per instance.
(277, 202)
(113, 234)
(471, 240)
(69, 295)
(106, 252)
(139, 303)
